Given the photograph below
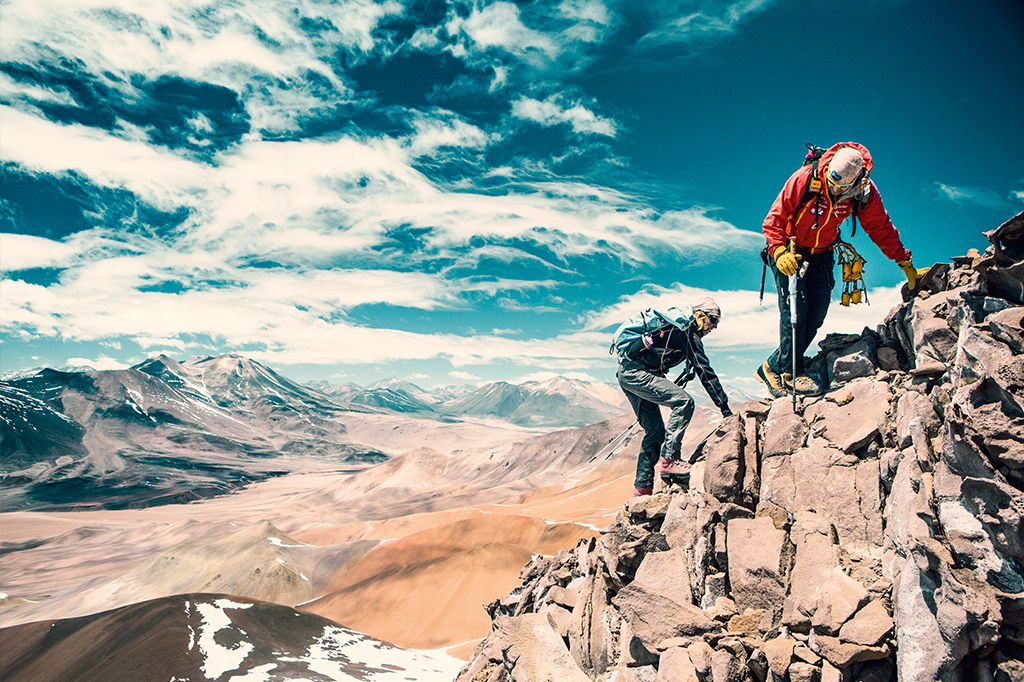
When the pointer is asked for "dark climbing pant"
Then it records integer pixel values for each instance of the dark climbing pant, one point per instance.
(646, 392)
(814, 293)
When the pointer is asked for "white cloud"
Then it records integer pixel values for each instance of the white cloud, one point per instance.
(101, 363)
(676, 23)
(1017, 195)
(466, 376)
(498, 25)
(551, 112)
(21, 252)
(435, 132)
(745, 323)
(978, 196)
(11, 89)
(261, 51)
(159, 177)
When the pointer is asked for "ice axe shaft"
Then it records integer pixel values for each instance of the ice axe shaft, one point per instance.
(794, 281)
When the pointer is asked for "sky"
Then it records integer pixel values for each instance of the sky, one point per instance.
(463, 192)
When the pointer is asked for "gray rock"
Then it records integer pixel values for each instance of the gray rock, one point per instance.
(591, 635)
(751, 463)
(804, 672)
(632, 651)
(913, 405)
(726, 667)
(852, 365)
(869, 626)
(843, 654)
(829, 673)
(533, 650)
(784, 431)
(839, 597)
(1010, 671)
(561, 617)
(723, 453)
(941, 615)
(928, 329)
(676, 666)
(689, 524)
(839, 486)
(758, 563)
(654, 618)
(666, 574)
(700, 653)
(563, 596)
(854, 424)
(647, 673)
(909, 517)
(779, 654)
(648, 507)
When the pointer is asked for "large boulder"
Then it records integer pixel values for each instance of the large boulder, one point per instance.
(534, 651)
(839, 486)
(723, 452)
(759, 559)
(655, 618)
(933, 339)
(667, 574)
(851, 425)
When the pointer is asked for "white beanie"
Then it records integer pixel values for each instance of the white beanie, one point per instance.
(844, 167)
(707, 305)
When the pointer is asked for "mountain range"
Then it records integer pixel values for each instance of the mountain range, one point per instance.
(557, 402)
(166, 431)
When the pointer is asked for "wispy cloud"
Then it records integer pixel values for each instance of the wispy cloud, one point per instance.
(551, 112)
(961, 196)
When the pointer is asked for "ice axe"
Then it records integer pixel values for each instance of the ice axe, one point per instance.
(793, 282)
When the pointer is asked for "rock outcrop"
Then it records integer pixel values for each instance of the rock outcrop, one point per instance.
(873, 534)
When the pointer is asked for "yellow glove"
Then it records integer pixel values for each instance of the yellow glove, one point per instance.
(913, 274)
(786, 261)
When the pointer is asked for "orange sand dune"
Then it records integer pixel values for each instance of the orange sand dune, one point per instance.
(431, 604)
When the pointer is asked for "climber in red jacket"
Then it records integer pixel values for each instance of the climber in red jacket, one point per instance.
(802, 227)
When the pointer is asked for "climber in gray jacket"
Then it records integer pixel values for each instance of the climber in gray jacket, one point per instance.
(641, 374)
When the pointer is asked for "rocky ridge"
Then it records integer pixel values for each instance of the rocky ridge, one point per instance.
(873, 534)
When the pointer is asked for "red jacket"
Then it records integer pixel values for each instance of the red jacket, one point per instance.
(788, 218)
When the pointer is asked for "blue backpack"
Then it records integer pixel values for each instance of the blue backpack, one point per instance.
(648, 322)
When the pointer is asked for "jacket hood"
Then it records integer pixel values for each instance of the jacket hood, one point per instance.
(831, 151)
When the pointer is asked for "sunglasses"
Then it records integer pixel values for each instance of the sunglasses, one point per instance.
(712, 319)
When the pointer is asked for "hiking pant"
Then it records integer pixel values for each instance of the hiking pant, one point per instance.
(814, 293)
(646, 391)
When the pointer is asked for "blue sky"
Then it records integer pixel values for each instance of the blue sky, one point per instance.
(466, 191)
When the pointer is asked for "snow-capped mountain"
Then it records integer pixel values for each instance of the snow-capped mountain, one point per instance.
(163, 432)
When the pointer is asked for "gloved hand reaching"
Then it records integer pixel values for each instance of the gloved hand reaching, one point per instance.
(913, 274)
(786, 261)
